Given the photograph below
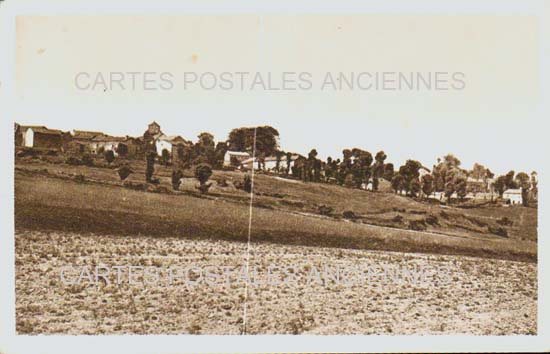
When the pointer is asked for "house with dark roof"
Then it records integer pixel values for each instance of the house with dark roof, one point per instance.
(35, 136)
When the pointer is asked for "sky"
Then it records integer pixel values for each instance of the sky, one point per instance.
(493, 120)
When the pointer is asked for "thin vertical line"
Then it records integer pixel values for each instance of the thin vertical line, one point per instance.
(249, 234)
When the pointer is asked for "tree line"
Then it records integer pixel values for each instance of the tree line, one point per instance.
(357, 168)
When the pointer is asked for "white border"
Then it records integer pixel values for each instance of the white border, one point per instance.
(10, 343)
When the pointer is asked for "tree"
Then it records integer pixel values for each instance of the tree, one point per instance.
(446, 170)
(500, 185)
(150, 169)
(388, 171)
(165, 157)
(534, 184)
(378, 168)
(397, 182)
(288, 162)
(524, 182)
(449, 190)
(109, 156)
(451, 161)
(242, 139)
(203, 172)
(278, 155)
(460, 187)
(219, 154)
(177, 175)
(204, 151)
(480, 172)
(312, 168)
(183, 156)
(122, 150)
(247, 184)
(410, 172)
(414, 187)
(124, 172)
(427, 185)
(509, 180)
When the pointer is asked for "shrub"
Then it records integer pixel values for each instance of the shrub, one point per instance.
(71, 160)
(109, 156)
(247, 184)
(159, 189)
(505, 221)
(397, 218)
(325, 210)
(135, 186)
(431, 220)
(122, 150)
(203, 188)
(80, 178)
(150, 169)
(348, 214)
(418, 225)
(165, 157)
(87, 160)
(498, 230)
(177, 175)
(124, 172)
(222, 182)
(203, 172)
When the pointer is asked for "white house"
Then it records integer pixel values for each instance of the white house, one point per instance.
(513, 195)
(269, 163)
(167, 142)
(239, 156)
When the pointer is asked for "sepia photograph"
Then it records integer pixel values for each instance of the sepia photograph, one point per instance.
(373, 175)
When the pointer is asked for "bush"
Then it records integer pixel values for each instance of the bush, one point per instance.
(109, 156)
(124, 172)
(325, 210)
(203, 172)
(165, 157)
(247, 184)
(431, 220)
(122, 150)
(71, 160)
(203, 188)
(505, 221)
(222, 182)
(418, 225)
(135, 186)
(177, 175)
(150, 169)
(498, 230)
(348, 214)
(80, 178)
(159, 189)
(397, 218)
(87, 160)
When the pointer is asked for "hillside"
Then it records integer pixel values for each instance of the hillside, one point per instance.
(286, 211)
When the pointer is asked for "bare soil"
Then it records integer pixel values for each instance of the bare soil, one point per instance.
(484, 296)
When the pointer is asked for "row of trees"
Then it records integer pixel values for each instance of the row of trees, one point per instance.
(356, 169)
(448, 177)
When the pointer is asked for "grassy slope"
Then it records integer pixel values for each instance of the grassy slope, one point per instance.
(49, 203)
(373, 208)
